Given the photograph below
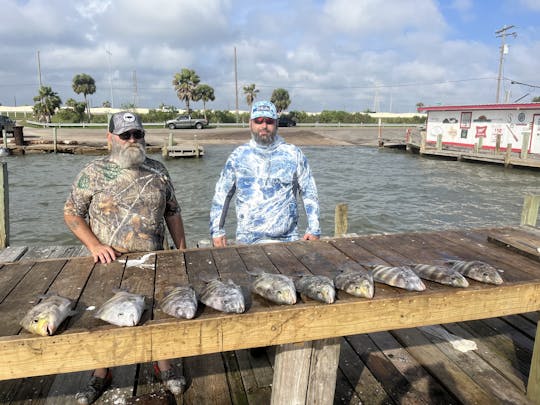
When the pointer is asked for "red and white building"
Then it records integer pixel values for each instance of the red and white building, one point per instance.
(464, 125)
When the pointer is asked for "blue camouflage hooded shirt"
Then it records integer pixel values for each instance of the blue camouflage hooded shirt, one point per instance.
(266, 180)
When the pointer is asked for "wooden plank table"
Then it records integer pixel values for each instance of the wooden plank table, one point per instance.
(305, 333)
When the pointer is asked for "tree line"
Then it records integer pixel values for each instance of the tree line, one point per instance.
(188, 87)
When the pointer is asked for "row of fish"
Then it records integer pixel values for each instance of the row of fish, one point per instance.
(125, 308)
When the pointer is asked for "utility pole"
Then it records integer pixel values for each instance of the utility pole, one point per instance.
(39, 70)
(135, 90)
(236, 85)
(504, 50)
(110, 77)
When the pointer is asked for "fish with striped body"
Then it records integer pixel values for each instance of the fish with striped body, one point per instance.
(356, 283)
(224, 297)
(277, 288)
(181, 302)
(440, 274)
(45, 318)
(477, 270)
(401, 277)
(123, 309)
(319, 288)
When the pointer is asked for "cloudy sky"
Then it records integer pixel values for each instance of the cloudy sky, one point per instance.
(350, 55)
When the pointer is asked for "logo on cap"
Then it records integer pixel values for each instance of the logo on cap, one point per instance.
(128, 117)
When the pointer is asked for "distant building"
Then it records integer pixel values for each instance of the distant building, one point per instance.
(485, 124)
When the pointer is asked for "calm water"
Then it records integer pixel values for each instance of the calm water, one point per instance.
(386, 191)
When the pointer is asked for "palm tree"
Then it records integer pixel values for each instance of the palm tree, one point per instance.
(46, 103)
(250, 93)
(205, 93)
(281, 99)
(84, 84)
(184, 84)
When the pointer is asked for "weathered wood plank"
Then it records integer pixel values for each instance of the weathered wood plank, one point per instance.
(12, 253)
(427, 387)
(533, 387)
(207, 382)
(290, 384)
(448, 373)
(364, 384)
(521, 242)
(322, 371)
(476, 368)
(256, 375)
(239, 391)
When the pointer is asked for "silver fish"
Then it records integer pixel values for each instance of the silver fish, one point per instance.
(224, 297)
(440, 274)
(401, 277)
(477, 270)
(123, 309)
(319, 288)
(354, 282)
(181, 302)
(277, 288)
(45, 318)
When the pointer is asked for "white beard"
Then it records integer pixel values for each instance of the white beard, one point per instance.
(128, 155)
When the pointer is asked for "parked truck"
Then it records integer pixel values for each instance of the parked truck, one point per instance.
(6, 124)
(185, 121)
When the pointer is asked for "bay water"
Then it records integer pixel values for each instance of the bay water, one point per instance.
(386, 191)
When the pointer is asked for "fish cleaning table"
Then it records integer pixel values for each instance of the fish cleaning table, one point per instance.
(306, 333)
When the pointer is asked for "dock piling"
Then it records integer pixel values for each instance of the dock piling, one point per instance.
(341, 221)
(529, 214)
(4, 206)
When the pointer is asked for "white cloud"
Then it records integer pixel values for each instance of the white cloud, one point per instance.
(331, 54)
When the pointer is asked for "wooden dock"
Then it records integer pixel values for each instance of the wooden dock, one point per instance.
(500, 156)
(401, 365)
(182, 151)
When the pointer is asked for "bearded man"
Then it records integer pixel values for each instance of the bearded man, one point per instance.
(128, 198)
(266, 174)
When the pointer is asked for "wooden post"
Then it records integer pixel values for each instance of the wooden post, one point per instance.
(305, 373)
(341, 222)
(55, 139)
(197, 154)
(439, 142)
(498, 144)
(291, 373)
(525, 145)
(4, 207)
(507, 155)
(533, 386)
(529, 214)
(379, 136)
(423, 138)
(480, 143)
(165, 148)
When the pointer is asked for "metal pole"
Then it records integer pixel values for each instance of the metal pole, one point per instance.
(236, 85)
(110, 77)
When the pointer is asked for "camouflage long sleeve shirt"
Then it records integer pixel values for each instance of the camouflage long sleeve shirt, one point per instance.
(125, 208)
(266, 181)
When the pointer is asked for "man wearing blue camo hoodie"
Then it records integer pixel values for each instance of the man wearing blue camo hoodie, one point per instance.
(266, 174)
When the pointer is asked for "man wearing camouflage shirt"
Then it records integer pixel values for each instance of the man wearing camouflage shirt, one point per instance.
(128, 198)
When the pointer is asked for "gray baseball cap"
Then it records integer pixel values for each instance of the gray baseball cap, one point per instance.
(124, 121)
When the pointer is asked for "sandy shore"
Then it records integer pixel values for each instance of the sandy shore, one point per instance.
(301, 136)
